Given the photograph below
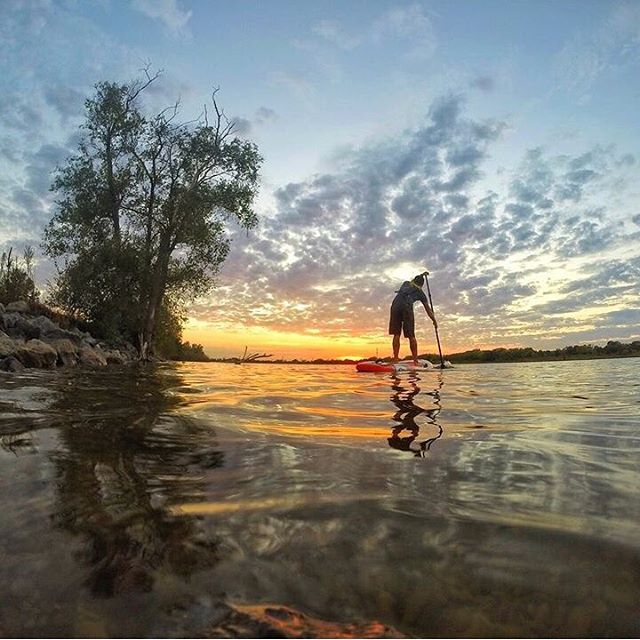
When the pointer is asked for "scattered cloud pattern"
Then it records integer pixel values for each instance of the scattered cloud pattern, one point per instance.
(168, 12)
(612, 48)
(341, 242)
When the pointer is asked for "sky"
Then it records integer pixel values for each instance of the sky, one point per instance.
(494, 144)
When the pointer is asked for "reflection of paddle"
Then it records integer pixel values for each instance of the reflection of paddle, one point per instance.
(426, 273)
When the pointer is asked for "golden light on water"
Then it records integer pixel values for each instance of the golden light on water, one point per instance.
(284, 503)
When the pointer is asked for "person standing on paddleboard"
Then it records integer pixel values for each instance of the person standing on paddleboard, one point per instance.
(401, 318)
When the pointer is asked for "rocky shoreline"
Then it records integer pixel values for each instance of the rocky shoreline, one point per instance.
(29, 339)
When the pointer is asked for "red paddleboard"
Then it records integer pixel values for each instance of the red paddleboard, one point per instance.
(373, 366)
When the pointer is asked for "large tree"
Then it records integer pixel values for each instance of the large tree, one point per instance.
(143, 209)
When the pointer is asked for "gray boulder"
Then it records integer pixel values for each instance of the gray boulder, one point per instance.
(45, 325)
(17, 326)
(68, 352)
(26, 329)
(62, 334)
(7, 345)
(114, 356)
(20, 306)
(11, 364)
(92, 357)
(42, 327)
(36, 354)
(10, 320)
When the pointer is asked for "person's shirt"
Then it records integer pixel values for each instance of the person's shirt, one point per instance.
(411, 292)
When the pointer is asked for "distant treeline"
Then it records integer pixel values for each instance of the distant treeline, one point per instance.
(613, 349)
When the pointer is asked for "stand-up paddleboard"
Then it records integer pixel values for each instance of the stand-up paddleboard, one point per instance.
(376, 366)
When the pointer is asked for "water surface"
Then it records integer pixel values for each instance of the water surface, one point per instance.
(488, 500)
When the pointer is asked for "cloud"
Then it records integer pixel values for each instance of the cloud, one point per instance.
(27, 202)
(611, 48)
(245, 126)
(168, 12)
(549, 203)
(295, 84)
(333, 32)
(407, 27)
(411, 24)
(324, 57)
(67, 101)
(617, 275)
(623, 317)
(41, 165)
(167, 89)
(605, 283)
(19, 113)
(483, 83)
(265, 115)
(241, 126)
(10, 150)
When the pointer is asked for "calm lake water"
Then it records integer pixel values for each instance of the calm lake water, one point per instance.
(487, 500)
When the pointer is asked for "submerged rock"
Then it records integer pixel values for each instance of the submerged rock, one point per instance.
(268, 621)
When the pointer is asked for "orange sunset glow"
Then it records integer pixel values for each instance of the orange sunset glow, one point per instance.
(230, 341)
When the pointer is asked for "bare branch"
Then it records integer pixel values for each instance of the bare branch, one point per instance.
(255, 356)
(176, 110)
(138, 86)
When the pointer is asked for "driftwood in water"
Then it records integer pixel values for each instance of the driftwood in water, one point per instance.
(252, 357)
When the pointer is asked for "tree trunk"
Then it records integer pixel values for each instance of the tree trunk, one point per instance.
(158, 285)
(113, 198)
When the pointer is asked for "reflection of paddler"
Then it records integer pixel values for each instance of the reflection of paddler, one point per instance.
(406, 416)
(401, 318)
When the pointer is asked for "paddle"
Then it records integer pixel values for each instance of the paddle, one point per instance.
(425, 274)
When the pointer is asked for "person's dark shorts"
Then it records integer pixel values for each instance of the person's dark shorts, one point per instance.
(401, 319)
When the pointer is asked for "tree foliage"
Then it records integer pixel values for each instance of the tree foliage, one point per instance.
(143, 211)
(16, 277)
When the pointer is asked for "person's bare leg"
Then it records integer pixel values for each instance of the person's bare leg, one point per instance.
(396, 347)
(413, 344)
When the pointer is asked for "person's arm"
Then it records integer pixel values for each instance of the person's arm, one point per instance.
(430, 313)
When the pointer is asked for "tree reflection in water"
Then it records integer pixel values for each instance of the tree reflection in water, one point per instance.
(123, 457)
(405, 389)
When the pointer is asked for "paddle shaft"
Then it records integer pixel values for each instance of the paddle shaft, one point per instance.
(436, 328)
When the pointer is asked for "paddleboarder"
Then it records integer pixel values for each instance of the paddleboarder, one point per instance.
(401, 318)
